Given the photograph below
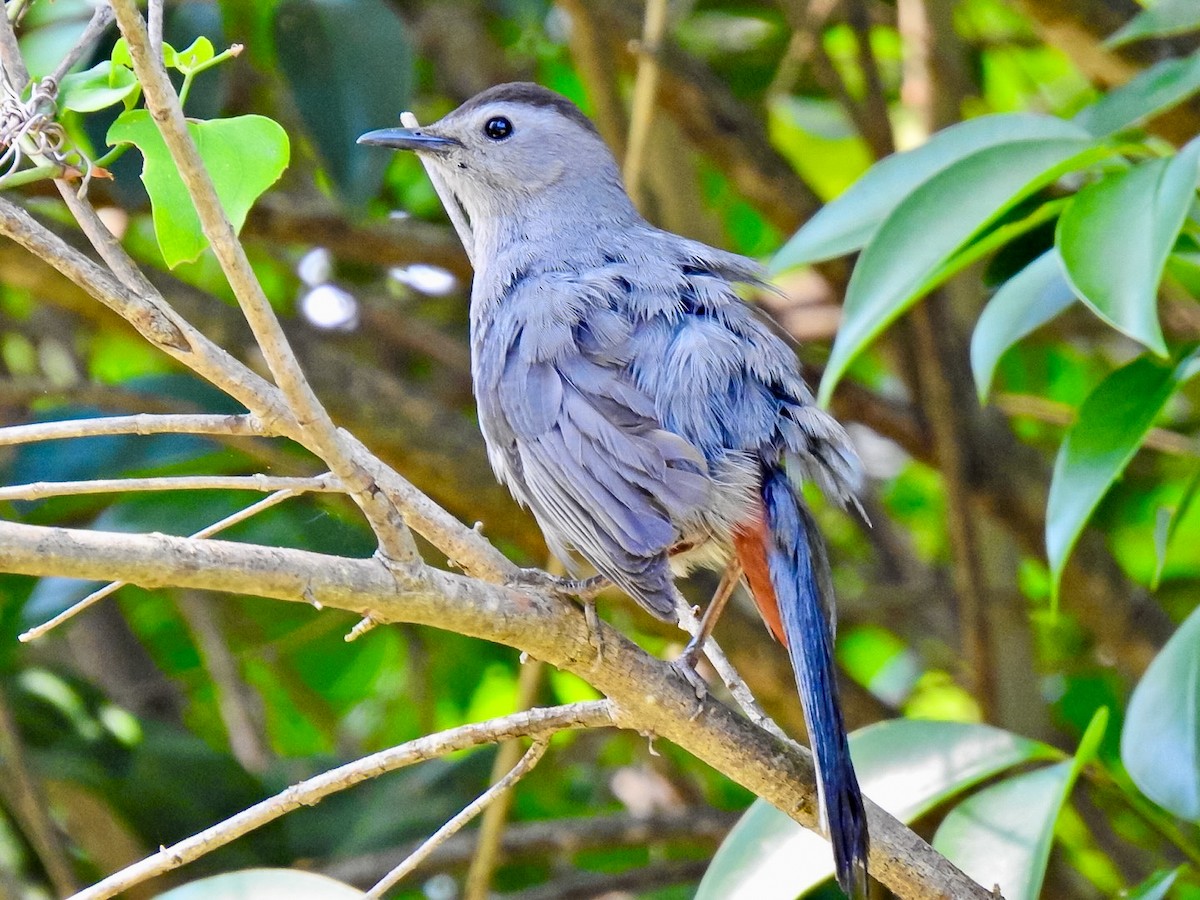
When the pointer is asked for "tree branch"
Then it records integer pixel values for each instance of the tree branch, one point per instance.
(141, 423)
(647, 694)
(40, 490)
(317, 430)
(524, 765)
(538, 723)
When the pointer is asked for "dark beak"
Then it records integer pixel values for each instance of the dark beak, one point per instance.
(408, 139)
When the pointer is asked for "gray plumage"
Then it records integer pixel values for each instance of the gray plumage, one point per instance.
(629, 397)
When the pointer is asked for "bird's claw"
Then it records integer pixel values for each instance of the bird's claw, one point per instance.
(688, 673)
(584, 588)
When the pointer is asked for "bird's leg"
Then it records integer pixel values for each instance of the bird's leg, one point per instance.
(583, 588)
(691, 653)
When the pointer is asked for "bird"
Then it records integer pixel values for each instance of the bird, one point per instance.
(648, 417)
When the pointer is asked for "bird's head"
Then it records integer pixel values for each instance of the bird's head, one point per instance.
(511, 146)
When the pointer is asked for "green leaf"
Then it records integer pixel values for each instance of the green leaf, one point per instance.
(907, 766)
(850, 221)
(264, 884)
(1003, 834)
(348, 65)
(200, 52)
(244, 156)
(120, 54)
(929, 226)
(1166, 523)
(1116, 235)
(102, 85)
(1155, 887)
(1158, 88)
(1164, 17)
(1025, 302)
(1160, 741)
(1112, 423)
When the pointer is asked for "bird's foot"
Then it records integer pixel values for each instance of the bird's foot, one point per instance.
(687, 671)
(595, 635)
(583, 588)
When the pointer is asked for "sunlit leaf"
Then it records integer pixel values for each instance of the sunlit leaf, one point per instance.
(348, 65)
(1166, 523)
(1111, 425)
(264, 884)
(849, 222)
(244, 155)
(1155, 887)
(1164, 17)
(1158, 88)
(1115, 237)
(1160, 742)
(907, 766)
(1003, 834)
(1025, 302)
(931, 225)
(102, 85)
(200, 52)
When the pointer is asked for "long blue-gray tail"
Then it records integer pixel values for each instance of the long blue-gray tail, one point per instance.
(799, 574)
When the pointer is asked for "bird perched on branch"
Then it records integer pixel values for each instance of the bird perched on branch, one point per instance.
(635, 404)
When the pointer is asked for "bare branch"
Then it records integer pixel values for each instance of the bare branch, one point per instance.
(491, 827)
(40, 490)
(537, 723)
(102, 17)
(141, 423)
(648, 695)
(113, 586)
(318, 432)
(645, 91)
(531, 758)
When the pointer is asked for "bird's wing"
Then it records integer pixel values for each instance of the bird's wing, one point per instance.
(598, 470)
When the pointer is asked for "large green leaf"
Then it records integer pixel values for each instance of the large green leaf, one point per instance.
(1116, 235)
(930, 225)
(1025, 302)
(1164, 17)
(1003, 834)
(1112, 423)
(348, 65)
(850, 221)
(1158, 88)
(244, 155)
(1160, 741)
(264, 884)
(907, 766)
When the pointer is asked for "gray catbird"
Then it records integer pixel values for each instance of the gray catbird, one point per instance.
(634, 403)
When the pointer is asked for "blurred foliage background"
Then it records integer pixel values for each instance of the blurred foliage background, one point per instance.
(160, 712)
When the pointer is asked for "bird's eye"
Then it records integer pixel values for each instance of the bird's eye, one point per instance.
(498, 128)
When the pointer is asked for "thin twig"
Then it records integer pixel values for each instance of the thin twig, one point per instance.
(531, 758)
(645, 92)
(1054, 413)
(40, 490)
(113, 586)
(154, 26)
(102, 17)
(235, 698)
(535, 723)
(141, 423)
(738, 689)
(319, 434)
(10, 55)
(491, 826)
